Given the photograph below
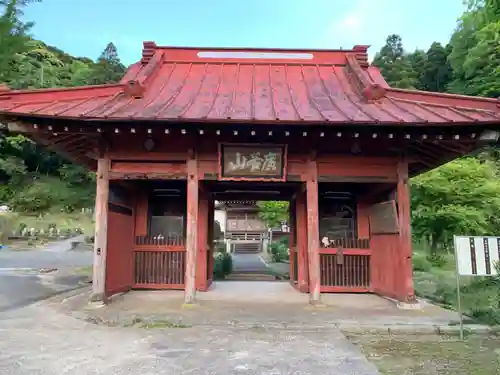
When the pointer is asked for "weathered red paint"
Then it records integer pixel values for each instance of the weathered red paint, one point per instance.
(141, 213)
(182, 100)
(159, 267)
(363, 219)
(202, 238)
(358, 166)
(385, 272)
(191, 230)
(101, 230)
(119, 260)
(313, 232)
(182, 85)
(211, 244)
(292, 215)
(302, 243)
(120, 169)
(405, 252)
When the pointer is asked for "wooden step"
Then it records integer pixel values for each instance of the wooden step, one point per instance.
(250, 277)
(247, 248)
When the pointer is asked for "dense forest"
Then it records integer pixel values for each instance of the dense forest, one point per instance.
(462, 196)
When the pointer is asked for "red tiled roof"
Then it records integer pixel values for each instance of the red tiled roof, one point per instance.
(188, 84)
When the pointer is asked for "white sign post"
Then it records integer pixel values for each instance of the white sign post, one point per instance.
(474, 256)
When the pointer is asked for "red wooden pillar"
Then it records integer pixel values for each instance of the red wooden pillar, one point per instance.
(292, 243)
(363, 219)
(404, 266)
(101, 231)
(191, 231)
(201, 260)
(301, 233)
(313, 232)
(211, 221)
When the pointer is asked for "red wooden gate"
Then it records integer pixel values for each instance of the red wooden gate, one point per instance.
(159, 263)
(345, 266)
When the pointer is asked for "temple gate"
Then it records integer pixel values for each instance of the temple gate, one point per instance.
(187, 126)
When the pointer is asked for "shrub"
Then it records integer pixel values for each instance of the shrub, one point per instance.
(421, 263)
(223, 265)
(285, 240)
(220, 247)
(279, 251)
(437, 260)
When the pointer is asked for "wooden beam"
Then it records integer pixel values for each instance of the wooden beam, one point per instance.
(191, 230)
(313, 232)
(70, 140)
(404, 269)
(101, 230)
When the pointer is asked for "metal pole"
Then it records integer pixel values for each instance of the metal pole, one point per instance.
(459, 307)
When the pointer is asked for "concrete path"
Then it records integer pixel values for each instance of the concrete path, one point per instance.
(19, 288)
(39, 340)
(44, 259)
(63, 245)
(22, 284)
(248, 263)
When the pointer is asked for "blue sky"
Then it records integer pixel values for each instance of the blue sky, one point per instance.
(83, 28)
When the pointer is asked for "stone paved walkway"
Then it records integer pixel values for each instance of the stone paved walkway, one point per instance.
(38, 340)
(248, 263)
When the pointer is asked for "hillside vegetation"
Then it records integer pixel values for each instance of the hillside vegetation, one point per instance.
(48, 181)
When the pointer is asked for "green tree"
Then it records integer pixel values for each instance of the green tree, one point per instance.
(394, 64)
(418, 62)
(436, 70)
(108, 69)
(273, 212)
(14, 35)
(459, 198)
(475, 51)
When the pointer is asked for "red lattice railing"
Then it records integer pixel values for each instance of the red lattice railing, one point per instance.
(159, 269)
(342, 272)
(174, 241)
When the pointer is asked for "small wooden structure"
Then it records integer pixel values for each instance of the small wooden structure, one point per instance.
(245, 231)
(188, 126)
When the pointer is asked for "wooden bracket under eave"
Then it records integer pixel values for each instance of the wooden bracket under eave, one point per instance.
(369, 89)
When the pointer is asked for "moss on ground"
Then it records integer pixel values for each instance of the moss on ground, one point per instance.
(154, 324)
(431, 354)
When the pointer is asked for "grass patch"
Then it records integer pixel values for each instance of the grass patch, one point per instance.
(480, 296)
(431, 354)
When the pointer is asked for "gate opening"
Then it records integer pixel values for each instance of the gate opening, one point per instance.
(239, 238)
